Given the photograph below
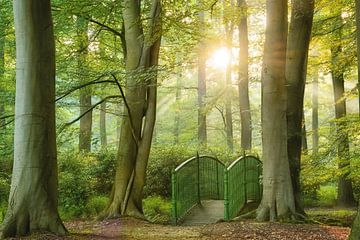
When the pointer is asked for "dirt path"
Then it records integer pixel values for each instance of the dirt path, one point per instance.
(132, 229)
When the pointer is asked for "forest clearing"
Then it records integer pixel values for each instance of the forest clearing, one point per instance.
(174, 119)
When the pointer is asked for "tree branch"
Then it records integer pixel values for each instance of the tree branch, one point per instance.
(87, 111)
(128, 110)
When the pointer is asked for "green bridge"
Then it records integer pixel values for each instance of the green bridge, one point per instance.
(204, 190)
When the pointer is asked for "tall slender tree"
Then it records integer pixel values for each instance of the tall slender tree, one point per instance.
(139, 111)
(202, 132)
(177, 113)
(278, 196)
(302, 12)
(85, 93)
(229, 30)
(315, 114)
(345, 189)
(103, 135)
(33, 195)
(243, 82)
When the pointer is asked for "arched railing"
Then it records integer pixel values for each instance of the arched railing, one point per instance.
(241, 185)
(197, 178)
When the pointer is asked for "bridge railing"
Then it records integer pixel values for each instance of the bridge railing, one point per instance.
(241, 185)
(197, 178)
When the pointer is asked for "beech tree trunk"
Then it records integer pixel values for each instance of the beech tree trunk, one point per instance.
(177, 112)
(304, 143)
(357, 5)
(140, 112)
(315, 114)
(355, 229)
(33, 195)
(103, 135)
(296, 64)
(228, 81)
(85, 93)
(202, 133)
(278, 195)
(345, 189)
(243, 84)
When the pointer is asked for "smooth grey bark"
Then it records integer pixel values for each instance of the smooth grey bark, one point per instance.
(202, 132)
(304, 144)
(243, 82)
(103, 135)
(302, 12)
(315, 114)
(229, 28)
(33, 195)
(345, 189)
(177, 111)
(85, 93)
(278, 196)
(357, 15)
(355, 228)
(140, 112)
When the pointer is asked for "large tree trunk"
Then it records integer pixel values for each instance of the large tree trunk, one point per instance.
(355, 228)
(345, 190)
(140, 112)
(202, 133)
(33, 195)
(243, 85)
(296, 64)
(85, 93)
(315, 115)
(278, 196)
(357, 4)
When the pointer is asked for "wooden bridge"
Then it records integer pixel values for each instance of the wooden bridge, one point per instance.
(205, 191)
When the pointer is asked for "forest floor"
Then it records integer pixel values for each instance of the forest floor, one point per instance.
(134, 229)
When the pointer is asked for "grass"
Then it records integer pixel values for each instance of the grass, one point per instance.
(332, 216)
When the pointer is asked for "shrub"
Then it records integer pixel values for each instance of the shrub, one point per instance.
(327, 196)
(95, 205)
(157, 209)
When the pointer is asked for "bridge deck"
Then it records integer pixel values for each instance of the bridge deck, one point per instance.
(210, 211)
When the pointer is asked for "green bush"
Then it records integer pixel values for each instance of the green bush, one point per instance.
(327, 196)
(3, 206)
(157, 209)
(95, 205)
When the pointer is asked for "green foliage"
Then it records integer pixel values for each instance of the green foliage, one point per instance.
(4, 193)
(162, 161)
(82, 179)
(95, 205)
(327, 196)
(336, 217)
(157, 209)
(2, 211)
